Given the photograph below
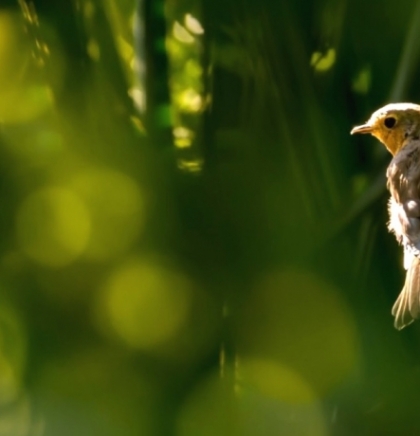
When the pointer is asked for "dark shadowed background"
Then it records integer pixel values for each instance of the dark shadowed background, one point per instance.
(191, 243)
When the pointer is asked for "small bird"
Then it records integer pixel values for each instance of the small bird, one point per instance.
(397, 126)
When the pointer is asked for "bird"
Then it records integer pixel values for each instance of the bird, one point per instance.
(397, 126)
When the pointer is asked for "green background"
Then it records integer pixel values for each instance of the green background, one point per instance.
(191, 243)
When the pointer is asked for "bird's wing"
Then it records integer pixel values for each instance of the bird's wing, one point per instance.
(404, 220)
(403, 182)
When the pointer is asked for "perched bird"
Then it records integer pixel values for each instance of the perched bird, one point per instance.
(397, 126)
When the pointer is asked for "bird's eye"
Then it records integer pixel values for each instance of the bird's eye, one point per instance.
(390, 122)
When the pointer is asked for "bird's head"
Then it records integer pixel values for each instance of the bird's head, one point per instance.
(393, 124)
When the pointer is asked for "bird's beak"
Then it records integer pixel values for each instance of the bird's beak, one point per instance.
(364, 128)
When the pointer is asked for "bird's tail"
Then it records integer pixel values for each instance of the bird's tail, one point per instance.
(407, 307)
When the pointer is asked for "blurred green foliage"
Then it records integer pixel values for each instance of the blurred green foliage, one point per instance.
(191, 242)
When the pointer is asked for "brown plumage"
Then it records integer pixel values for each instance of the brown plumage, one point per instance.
(397, 126)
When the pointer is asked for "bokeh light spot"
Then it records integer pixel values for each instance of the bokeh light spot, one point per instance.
(323, 61)
(362, 81)
(139, 99)
(299, 320)
(193, 25)
(190, 166)
(190, 100)
(53, 226)
(216, 408)
(211, 410)
(181, 34)
(147, 303)
(276, 381)
(116, 206)
(183, 137)
(93, 49)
